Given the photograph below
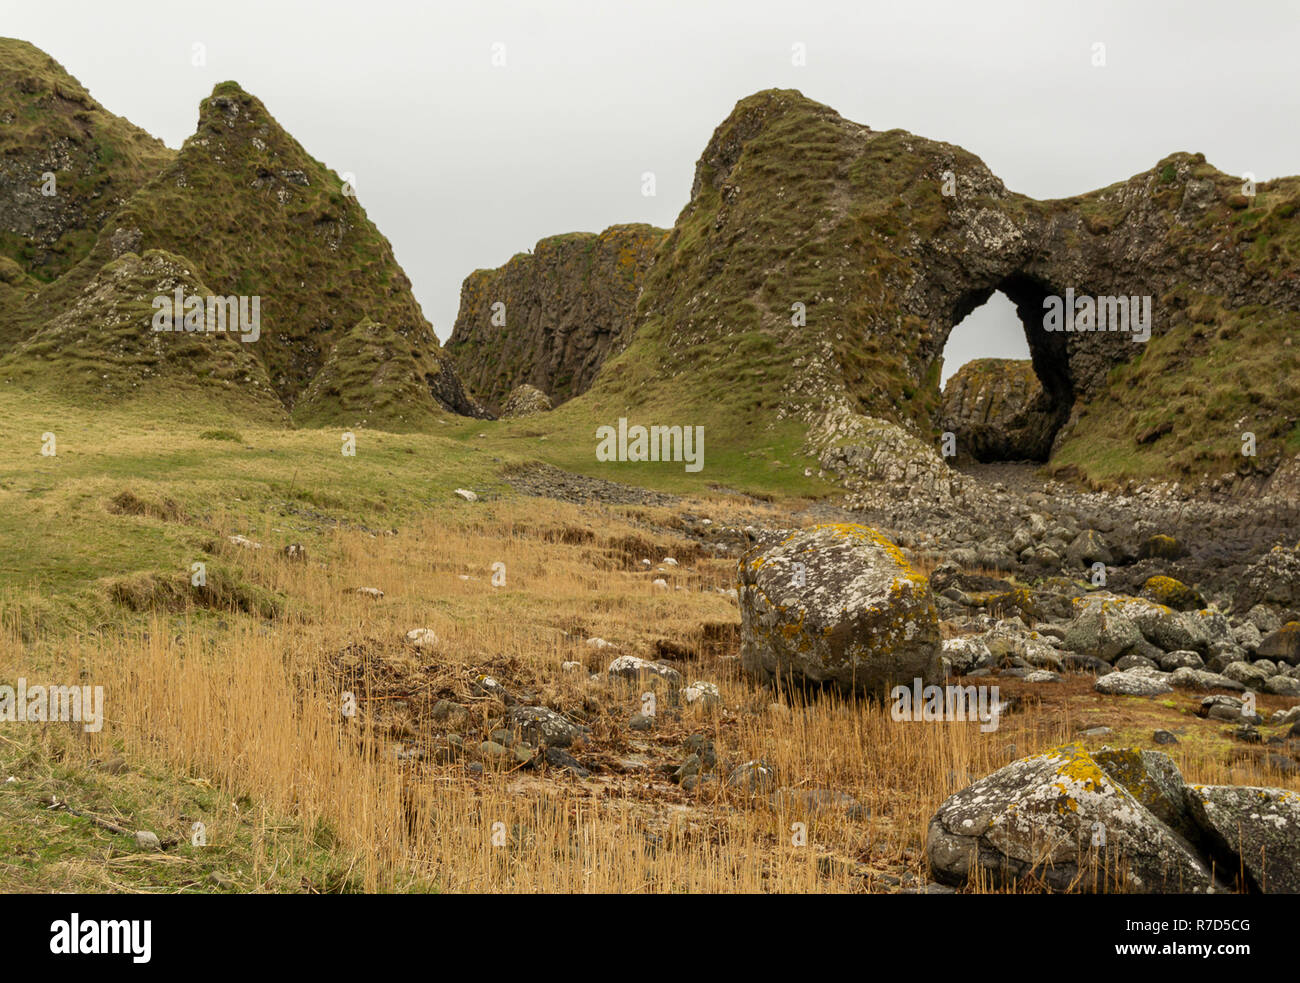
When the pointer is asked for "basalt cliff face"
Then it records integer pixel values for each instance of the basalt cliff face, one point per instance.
(820, 266)
(549, 318)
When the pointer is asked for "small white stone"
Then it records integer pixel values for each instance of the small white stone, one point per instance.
(466, 494)
(422, 638)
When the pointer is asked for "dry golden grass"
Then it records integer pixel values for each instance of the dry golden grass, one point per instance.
(252, 708)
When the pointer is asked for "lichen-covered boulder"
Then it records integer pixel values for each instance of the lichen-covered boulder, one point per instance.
(964, 654)
(1139, 681)
(1104, 633)
(635, 668)
(1172, 593)
(1072, 821)
(542, 725)
(1273, 579)
(1089, 547)
(837, 604)
(1259, 827)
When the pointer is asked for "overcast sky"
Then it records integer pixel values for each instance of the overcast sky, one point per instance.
(462, 164)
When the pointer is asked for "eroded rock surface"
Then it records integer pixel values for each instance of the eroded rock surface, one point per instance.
(837, 604)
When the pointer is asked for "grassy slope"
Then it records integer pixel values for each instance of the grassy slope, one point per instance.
(1210, 370)
(210, 710)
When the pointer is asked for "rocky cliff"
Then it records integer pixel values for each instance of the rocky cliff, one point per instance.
(549, 318)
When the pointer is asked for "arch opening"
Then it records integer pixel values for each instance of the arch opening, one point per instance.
(1006, 383)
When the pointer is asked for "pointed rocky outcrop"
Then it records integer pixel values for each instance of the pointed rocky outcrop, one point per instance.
(66, 164)
(259, 217)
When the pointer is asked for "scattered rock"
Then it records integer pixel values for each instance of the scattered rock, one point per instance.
(633, 667)
(1283, 644)
(1135, 682)
(1172, 593)
(146, 840)
(525, 400)
(423, 639)
(542, 725)
(752, 776)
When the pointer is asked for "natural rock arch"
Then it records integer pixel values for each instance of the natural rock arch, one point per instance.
(990, 414)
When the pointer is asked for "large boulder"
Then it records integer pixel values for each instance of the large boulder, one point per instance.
(998, 411)
(1106, 634)
(1283, 644)
(1273, 579)
(1256, 828)
(1070, 820)
(1138, 681)
(1172, 593)
(837, 604)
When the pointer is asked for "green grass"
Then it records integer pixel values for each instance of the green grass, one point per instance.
(186, 489)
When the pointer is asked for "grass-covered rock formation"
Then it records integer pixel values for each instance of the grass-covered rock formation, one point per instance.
(373, 377)
(249, 210)
(107, 344)
(810, 284)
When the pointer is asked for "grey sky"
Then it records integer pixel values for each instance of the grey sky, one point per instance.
(462, 164)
